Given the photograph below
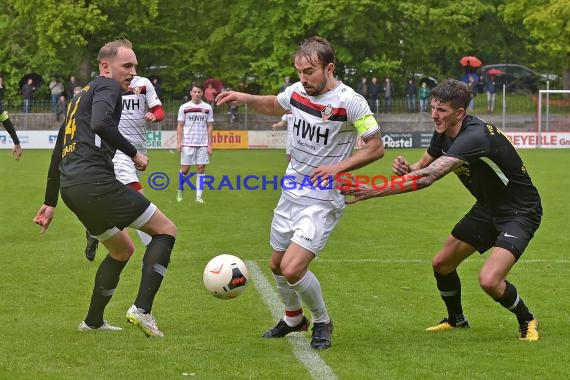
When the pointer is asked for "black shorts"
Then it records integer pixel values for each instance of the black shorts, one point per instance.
(483, 231)
(102, 207)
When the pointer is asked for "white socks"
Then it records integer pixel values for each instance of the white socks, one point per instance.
(199, 185)
(307, 289)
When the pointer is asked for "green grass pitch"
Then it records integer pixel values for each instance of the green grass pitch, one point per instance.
(375, 273)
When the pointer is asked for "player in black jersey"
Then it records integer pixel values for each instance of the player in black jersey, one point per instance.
(82, 170)
(506, 214)
(7, 123)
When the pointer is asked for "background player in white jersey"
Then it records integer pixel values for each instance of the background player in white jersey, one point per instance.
(140, 105)
(328, 118)
(194, 138)
(286, 121)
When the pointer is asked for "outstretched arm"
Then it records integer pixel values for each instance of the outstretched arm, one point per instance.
(372, 150)
(266, 104)
(279, 124)
(415, 180)
(17, 149)
(401, 166)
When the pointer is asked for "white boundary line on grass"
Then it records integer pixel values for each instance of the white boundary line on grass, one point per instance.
(423, 261)
(316, 366)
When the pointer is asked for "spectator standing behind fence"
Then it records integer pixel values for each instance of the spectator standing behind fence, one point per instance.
(60, 107)
(71, 85)
(411, 90)
(423, 94)
(491, 89)
(157, 89)
(27, 92)
(388, 92)
(362, 88)
(56, 89)
(374, 91)
(472, 87)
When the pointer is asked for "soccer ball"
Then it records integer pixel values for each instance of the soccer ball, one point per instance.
(225, 276)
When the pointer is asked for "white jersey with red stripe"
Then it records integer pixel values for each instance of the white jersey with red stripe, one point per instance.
(196, 118)
(325, 129)
(139, 99)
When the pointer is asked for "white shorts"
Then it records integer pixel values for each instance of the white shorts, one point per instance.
(307, 226)
(194, 155)
(125, 170)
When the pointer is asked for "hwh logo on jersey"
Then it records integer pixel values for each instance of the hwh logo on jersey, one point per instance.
(305, 129)
(131, 104)
(196, 117)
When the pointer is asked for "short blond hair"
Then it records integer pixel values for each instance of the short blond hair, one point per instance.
(111, 49)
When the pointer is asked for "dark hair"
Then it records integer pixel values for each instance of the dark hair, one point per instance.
(454, 91)
(195, 84)
(316, 50)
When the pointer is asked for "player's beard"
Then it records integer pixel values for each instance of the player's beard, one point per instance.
(315, 91)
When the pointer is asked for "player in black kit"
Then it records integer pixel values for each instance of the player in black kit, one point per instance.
(82, 170)
(7, 123)
(506, 214)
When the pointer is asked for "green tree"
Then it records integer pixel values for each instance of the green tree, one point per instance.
(548, 24)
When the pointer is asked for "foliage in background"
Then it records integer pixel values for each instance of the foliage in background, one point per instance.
(249, 44)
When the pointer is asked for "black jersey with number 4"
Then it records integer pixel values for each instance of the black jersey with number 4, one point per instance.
(90, 134)
(493, 170)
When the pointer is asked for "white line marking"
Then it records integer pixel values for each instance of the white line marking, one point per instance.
(424, 261)
(317, 368)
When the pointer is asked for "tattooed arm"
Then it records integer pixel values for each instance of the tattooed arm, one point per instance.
(412, 181)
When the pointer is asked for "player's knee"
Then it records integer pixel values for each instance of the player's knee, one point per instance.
(123, 254)
(488, 283)
(443, 264)
(170, 228)
(438, 264)
(275, 268)
(167, 228)
(291, 273)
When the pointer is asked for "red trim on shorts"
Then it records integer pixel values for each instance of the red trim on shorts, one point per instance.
(135, 185)
(293, 313)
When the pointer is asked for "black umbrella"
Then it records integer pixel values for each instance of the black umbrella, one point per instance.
(421, 78)
(37, 80)
(430, 81)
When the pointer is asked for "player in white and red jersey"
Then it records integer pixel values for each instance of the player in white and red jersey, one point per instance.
(194, 138)
(328, 118)
(140, 105)
(286, 121)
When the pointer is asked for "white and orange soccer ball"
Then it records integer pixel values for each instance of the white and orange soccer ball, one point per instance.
(226, 276)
